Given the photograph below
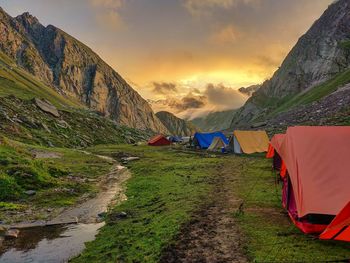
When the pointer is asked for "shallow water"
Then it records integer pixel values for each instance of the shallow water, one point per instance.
(57, 242)
(51, 244)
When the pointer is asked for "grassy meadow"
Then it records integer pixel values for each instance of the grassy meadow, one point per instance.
(168, 187)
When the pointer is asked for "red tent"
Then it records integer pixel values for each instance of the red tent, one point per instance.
(316, 183)
(159, 140)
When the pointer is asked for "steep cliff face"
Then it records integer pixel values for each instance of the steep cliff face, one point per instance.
(74, 70)
(175, 125)
(318, 56)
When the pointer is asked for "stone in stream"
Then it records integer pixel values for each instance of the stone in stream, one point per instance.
(12, 233)
(2, 229)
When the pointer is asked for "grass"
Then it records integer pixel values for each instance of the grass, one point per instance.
(316, 93)
(165, 188)
(270, 236)
(168, 186)
(58, 182)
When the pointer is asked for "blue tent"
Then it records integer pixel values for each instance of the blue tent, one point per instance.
(175, 139)
(205, 139)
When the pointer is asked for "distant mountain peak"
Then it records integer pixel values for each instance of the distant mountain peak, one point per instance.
(175, 125)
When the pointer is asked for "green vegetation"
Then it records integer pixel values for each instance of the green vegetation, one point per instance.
(316, 93)
(270, 235)
(165, 188)
(345, 45)
(58, 182)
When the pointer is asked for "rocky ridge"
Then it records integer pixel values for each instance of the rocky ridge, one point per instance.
(175, 125)
(318, 56)
(74, 70)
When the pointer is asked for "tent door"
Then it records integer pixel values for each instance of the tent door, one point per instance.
(236, 146)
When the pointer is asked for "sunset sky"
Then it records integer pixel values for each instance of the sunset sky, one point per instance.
(183, 49)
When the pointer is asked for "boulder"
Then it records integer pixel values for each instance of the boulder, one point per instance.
(30, 192)
(47, 107)
(12, 233)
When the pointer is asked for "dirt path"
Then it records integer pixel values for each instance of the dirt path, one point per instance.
(212, 235)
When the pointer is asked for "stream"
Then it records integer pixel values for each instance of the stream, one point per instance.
(61, 239)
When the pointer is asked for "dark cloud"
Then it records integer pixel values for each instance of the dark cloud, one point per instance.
(224, 97)
(164, 87)
(188, 102)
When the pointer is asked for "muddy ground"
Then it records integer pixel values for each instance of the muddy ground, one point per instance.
(212, 235)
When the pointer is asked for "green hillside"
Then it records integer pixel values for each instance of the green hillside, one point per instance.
(15, 81)
(316, 93)
(215, 121)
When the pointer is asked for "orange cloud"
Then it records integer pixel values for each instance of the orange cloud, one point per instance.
(226, 35)
(107, 13)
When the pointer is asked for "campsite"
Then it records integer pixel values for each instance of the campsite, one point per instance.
(174, 131)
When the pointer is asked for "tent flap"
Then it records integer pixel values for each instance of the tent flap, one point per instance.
(339, 229)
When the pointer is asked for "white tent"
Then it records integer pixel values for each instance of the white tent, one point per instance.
(217, 145)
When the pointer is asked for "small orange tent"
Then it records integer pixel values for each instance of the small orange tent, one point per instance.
(316, 185)
(159, 140)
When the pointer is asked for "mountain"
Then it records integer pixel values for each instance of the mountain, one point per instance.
(249, 90)
(215, 121)
(31, 112)
(175, 125)
(315, 68)
(74, 70)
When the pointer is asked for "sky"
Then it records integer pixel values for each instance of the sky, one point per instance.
(186, 56)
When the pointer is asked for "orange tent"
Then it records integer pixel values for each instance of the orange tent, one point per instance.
(317, 182)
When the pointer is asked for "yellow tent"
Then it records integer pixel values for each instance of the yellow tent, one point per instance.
(249, 142)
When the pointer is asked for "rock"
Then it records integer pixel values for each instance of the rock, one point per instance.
(2, 229)
(47, 107)
(130, 159)
(12, 233)
(46, 128)
(30, 192)
(119, 215)
(63, 124)
(259, 124)
(102, 214)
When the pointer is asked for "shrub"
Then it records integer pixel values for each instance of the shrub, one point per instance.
(9, 189)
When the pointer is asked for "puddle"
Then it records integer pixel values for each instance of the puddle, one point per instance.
(56, 242)
(51, 244)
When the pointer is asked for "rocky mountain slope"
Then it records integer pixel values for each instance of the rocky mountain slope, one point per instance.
(215, 121)
(175, 125)
(74, 70)
(249, 91)
(322, 54)
(33, 113)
